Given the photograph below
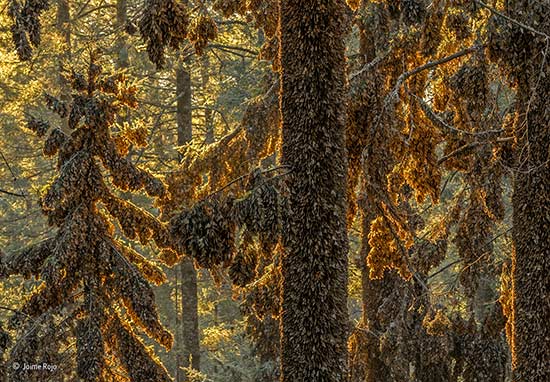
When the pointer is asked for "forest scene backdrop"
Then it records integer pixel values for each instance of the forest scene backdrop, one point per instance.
(274, 190)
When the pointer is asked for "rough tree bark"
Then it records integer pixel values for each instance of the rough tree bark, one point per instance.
(190, 355)
(531, 234)
(314, 319)
(521, 49)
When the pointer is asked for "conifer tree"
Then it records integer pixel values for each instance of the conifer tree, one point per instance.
(314, 263)
(98, 284)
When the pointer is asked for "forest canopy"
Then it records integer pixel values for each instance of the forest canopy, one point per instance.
(275, 190)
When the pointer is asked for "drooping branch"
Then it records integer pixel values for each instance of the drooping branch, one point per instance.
(403, 77)
(243, 177)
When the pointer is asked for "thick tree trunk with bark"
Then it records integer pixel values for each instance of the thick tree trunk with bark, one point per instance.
(314, 319)
(531, 233)
(521, 50)
(190, 351)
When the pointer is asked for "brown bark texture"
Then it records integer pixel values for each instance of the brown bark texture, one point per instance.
(531, 258)
(314, 318)
(190, 355)
(519, 41)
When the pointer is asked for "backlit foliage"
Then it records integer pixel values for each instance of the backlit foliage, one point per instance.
(445, 108)
(103, 283)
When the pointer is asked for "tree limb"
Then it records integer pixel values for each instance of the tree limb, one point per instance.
(403, 77)
(513, 21)
(432, 116)
(369, 65)
(13, 193)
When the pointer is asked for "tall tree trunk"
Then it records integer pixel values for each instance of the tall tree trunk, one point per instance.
(314, 319)
(531, 234)
(121, 20)
(522, 56)
(208, 120)
(123, 61)
(63, 18)
(190, 355)
(184, 114)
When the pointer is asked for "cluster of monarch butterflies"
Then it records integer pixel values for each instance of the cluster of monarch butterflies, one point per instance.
(510, 44)
(206, 232)
(163, 23)
(456, 106)
(97, 282)
(26, 28)
(242, 270)
(202, 30)
(168, 23)
(264, 12)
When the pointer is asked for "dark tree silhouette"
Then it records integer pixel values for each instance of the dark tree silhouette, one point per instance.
(314, 320)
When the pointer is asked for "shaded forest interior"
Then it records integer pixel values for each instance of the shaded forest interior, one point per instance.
(275, 190)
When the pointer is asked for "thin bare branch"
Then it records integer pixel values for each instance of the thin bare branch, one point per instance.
(513, 21)
(13, 193)
(370, 65)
